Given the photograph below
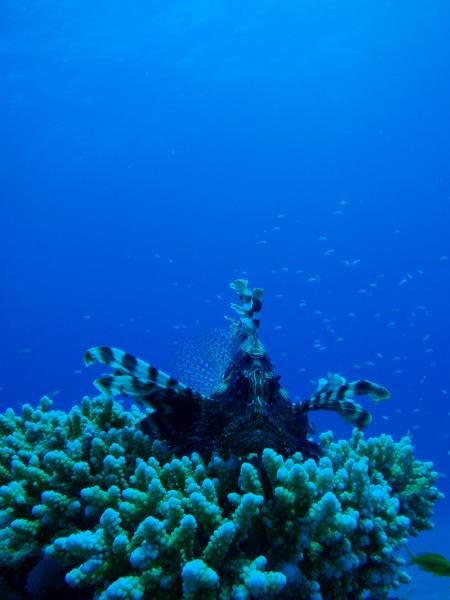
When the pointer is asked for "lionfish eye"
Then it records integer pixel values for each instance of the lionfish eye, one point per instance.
(240, 383)
(272, 384)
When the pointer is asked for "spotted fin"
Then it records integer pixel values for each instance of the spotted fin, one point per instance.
(336, 394)
(201, 361)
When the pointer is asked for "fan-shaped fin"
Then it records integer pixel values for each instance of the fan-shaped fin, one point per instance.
(201, 361)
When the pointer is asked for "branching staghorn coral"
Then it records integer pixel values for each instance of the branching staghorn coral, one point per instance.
(126, 519)
(50, 459)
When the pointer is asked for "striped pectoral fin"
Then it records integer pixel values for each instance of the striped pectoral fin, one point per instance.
(349, 410)
(123, 384)
(353, 413)
(175, 413)
(102, 354)
(119, 359)
(337, 385)
(363, 387)
(140, 370)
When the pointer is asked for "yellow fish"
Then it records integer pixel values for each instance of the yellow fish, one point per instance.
(431, 563)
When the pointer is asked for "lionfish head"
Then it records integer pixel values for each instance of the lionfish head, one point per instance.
(255, 382)
(254, 399)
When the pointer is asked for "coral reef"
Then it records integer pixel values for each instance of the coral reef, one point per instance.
(88, 491)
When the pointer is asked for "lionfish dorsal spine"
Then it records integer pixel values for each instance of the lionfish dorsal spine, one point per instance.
(250, 311)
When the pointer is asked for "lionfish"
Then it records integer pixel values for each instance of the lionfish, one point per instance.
(243, 408)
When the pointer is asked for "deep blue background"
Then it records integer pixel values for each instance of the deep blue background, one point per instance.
(153, 152)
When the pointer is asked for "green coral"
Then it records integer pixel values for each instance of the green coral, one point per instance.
(132, 522)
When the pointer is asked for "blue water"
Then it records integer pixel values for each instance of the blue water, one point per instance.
(153, 152)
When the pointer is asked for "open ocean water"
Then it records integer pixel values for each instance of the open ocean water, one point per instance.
(151, 152)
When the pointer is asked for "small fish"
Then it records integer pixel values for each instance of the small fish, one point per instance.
(24, 351)
(436, 564)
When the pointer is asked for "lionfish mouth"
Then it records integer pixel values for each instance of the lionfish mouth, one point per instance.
(248, 438)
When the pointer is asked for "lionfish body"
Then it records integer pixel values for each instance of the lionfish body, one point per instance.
(243, 412)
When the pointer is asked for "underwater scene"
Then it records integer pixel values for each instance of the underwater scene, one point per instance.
(224, 307)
